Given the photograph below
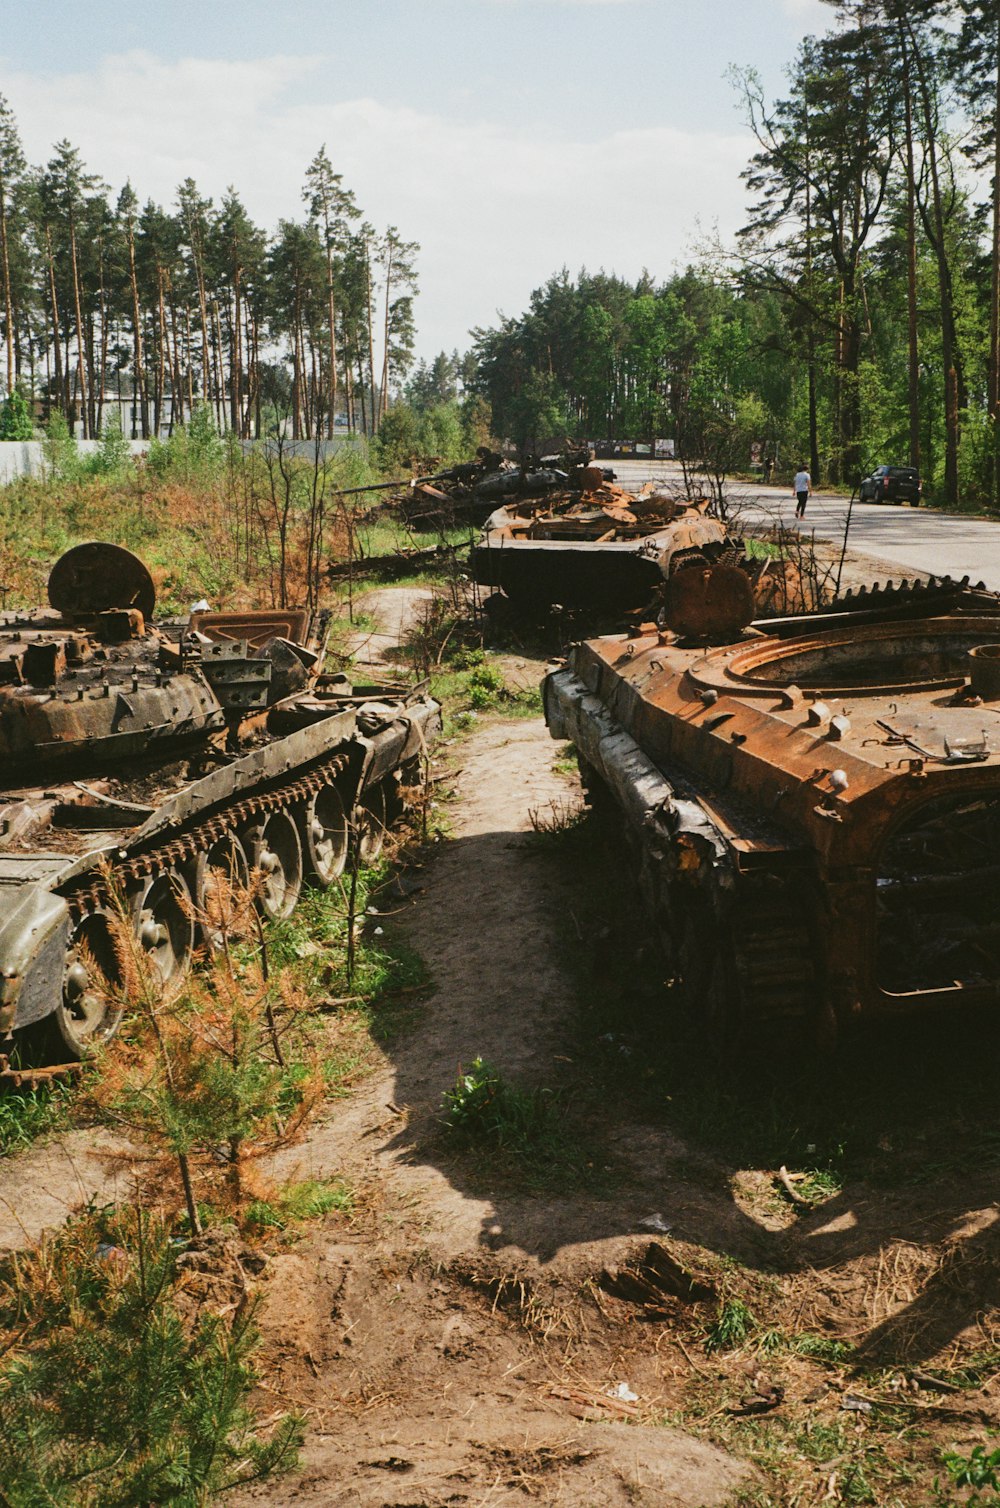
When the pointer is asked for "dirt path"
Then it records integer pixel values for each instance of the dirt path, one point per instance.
(397, 1338)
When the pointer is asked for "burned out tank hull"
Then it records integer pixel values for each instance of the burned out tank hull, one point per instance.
(139, 767)
(593, 554)
(814, 817)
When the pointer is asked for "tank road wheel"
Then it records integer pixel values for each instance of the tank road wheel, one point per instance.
(90, 1011)
(323, 826)
(220, 873)
(162, 914)
(370, 821)
(275, 850)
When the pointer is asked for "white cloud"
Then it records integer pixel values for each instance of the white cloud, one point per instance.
(496, 207)
(809, 13)
(563, 2)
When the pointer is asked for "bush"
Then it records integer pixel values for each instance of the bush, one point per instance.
(61, 456)
(115, 456)
(483, 1109)
(108, 1397)
(15, 418)
(486, 685)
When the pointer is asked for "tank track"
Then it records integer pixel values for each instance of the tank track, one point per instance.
(92, 890)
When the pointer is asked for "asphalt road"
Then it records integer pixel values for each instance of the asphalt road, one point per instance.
(905, 539)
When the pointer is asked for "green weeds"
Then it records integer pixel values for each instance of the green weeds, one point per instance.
(520, 1133)
(26, 1114)
(298, 1203)
(732, 1327)
(483, 1109)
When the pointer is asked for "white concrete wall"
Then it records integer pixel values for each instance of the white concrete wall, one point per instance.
(27, 457)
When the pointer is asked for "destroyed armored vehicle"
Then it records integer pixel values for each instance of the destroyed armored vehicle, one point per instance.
(141, 764)
(470, 492)
(814, 803)
(604, 548)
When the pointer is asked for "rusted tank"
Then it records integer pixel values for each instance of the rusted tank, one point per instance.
(145, 762)
(602, 548)
(814, 806)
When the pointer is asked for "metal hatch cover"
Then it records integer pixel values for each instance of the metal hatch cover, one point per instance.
(97, 577)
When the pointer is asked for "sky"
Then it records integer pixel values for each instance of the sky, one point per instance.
(509, 138)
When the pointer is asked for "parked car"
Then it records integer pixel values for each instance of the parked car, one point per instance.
(891, 484)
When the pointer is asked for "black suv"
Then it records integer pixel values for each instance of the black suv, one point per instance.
(891, 484)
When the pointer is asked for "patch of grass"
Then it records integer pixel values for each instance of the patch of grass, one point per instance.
(27, 1114)
(312, 944)
(565, 761)
(559, 819)
(732, 1327)
(822, 1348)
(298, 1203)
(518, 1133)
(484, 1109)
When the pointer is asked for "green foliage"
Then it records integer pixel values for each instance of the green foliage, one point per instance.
(26, 1114)
(61, 456)
(297, 1203)
(486, 683)
(732, 1327)
(397, 444)
(194, 452)
(108, 1398)
(981, 1468)
(823, 1348)
(483, 1109)
(15, 417)
(114, 456)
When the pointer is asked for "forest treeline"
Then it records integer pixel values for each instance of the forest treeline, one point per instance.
(856, 320)
(107, 302)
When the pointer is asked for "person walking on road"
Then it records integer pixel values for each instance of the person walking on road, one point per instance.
(802, 487)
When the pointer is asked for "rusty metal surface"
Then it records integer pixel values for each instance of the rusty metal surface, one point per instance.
(31, 1078)
(95, 577)
(182, 742)
(602, 548)
(852, 778)
(256, 628)
(708, 602)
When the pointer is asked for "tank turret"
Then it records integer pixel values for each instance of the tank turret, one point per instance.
(141, 760)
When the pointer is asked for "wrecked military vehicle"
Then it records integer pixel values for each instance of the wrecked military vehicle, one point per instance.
(146, 762)
(814, 803)
(601, 548)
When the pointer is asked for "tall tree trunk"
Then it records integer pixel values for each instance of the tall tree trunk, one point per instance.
(190, 361)
(332, 316)
(296, 366)
(8, 303)
(138, 359)
(384, 394)
(371, 340)
(102, 368)
(161, 353)
(950, 359)
(58, 377)
(220, 388)
(79, 331)
(913, 346)
(236, 372)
